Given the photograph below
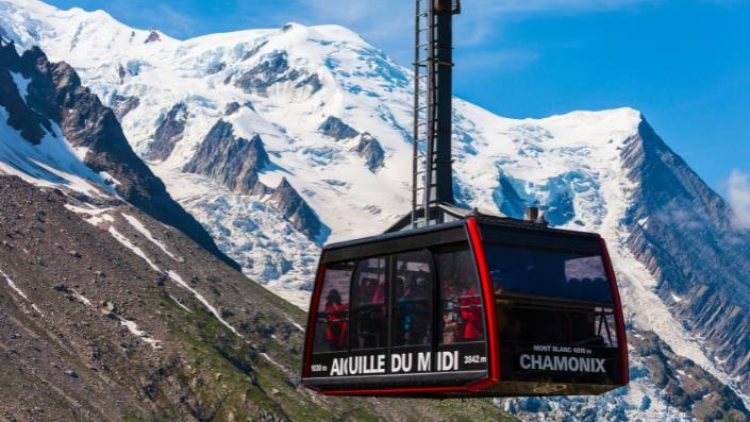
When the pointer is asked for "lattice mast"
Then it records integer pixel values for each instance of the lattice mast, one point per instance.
(432, 182)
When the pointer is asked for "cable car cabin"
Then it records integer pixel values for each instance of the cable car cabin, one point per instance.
(481, 306)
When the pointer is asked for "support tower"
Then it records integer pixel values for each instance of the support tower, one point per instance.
(432, 183)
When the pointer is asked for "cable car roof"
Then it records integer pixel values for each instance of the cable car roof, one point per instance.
(458, 217)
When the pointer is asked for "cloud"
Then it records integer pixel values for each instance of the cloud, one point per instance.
(155, 14)
(385, 14)
(738, 195)
(576, 6)
(684, 218)
(380, 12)
(179, 22)
(497, 60)
(388, 23)
(382, 22)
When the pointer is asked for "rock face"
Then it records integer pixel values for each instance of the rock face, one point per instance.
(337, 129)
(296, 210)
(674, 206)
(55, 93)
(153, 36)
(168, 133)
(232, 161)
(21, 117)
(124, 105)
(272, 70)
(118, 317)
(121, 73)
(370, 149)
(312, 82)
(231, 108)
(235, 163)
(687, 385)
(216, 68)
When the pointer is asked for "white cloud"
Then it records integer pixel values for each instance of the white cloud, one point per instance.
(177, 21)
(522, 6)
(494, 61)
(357, 11)
(383, 15)
(388, 23)
(738, 195)
(154, 14)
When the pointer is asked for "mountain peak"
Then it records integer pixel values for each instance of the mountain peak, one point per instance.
(290, 26)
(69, 31)
(338, 32)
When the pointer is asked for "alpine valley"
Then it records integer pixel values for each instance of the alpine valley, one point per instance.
(252, 149)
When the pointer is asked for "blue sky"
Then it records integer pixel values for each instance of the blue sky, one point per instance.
(684, 63)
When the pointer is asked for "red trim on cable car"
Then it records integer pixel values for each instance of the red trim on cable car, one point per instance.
(475, 238)
(312, 316)
(622, 339)
(399, 391)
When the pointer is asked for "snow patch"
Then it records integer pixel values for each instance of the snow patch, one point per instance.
(20, 292)
(145, 337)
(268, 358)
(92, 215)
(22, 84)
(109, 179)
(135, 249)
(141, 228)
(180, 304)
(177, 279)
(87, 210)
(81, 298)
(96, 221)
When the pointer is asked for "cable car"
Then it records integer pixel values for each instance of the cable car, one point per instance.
(479, 306)
(456, 303)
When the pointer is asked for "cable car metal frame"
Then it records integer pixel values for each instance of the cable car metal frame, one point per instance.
(468, 227)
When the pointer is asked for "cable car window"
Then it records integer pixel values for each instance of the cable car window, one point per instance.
(412, 301)
(522, 321)
(605, 326)
(331, 325)
(369, 306)
(460, 298)
(548, 273)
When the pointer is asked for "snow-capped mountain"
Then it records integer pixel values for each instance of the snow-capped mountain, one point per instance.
(279, 140)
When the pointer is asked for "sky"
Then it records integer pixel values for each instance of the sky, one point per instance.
(685, 64)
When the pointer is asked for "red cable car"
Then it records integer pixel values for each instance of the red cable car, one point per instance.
(480, 306)
(454, 303)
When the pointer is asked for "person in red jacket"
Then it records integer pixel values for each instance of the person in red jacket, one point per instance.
(471, 312)
(336, 319)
